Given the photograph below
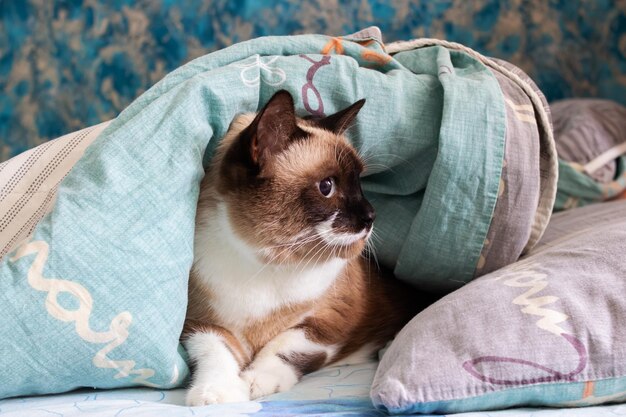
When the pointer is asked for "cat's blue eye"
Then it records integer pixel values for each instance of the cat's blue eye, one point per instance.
(327, 186)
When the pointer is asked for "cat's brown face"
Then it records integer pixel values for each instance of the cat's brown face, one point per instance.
(291, 186)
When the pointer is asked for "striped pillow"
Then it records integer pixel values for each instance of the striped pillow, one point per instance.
(29, 182)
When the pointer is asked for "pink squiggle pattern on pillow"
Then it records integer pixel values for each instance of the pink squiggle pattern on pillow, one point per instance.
(309, 86)
(527, 275)
(553, 375)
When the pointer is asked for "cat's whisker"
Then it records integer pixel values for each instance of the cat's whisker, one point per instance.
(310, 238)
(319, 248)
(334, 283)
(270, 263)
(325, 245)
(267, 264)
(371, 250)
(263, 268)
(297, 244)
(306, 257)
(320, 236)
(347, 132)
(381, 168)
(278, 255)
(369, 165)
(342, 154)
(369, 157)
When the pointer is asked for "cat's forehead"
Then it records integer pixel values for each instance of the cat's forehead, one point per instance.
(322, 151)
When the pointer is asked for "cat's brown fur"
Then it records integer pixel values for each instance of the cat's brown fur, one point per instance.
(262, 198)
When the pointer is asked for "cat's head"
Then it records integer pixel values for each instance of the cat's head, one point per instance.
(292, 187)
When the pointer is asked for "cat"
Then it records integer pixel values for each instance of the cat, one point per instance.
(278, 286)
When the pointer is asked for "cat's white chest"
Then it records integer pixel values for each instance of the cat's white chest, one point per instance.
(239, 298)
(243, 289)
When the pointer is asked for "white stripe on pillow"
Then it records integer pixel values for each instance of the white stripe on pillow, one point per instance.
(29, 181)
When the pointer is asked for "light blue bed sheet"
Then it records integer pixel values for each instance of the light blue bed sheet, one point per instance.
(330, 392)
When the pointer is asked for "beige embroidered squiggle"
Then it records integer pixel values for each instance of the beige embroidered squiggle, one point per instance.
(118, 330)
(524, 275)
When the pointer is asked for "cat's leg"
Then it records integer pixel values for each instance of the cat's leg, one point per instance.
(218, 359)
(280, 364)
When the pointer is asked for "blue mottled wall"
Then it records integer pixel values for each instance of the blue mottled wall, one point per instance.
(68, 64)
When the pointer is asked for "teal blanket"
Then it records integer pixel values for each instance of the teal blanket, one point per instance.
(97, 295)
(432, 132)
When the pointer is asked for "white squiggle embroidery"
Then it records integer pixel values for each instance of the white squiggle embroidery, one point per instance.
(525, 276)
(118, 330)
(175, 375)
(263, 66)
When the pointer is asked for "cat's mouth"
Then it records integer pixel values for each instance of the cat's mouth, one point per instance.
(338, 239)
(315, 245)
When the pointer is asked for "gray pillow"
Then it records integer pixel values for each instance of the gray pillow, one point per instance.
(547, 330)
(590, 138)
(585, 129)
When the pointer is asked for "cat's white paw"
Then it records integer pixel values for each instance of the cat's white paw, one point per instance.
(269, 378)
(217, 393)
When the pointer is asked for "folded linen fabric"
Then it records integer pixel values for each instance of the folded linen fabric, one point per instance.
(96, 295)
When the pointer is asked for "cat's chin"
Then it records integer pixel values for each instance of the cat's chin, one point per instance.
(344, 250)
(349, 251)
(315, 254)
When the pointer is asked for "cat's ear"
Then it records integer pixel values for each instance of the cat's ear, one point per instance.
(274, 128)
(341, 121)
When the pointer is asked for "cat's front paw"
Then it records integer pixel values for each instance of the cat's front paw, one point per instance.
(222, 392)
(267, 380)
